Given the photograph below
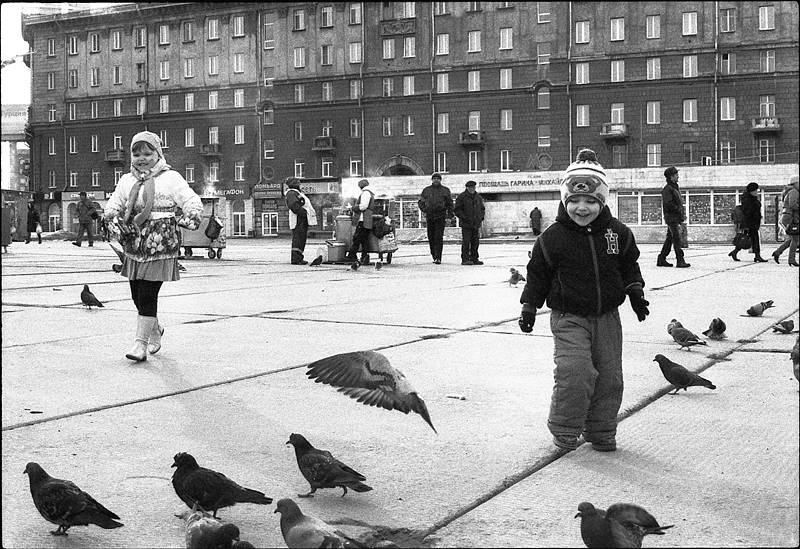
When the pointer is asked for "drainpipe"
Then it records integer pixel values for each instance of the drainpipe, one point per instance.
(361, 90)
(716, 91)
(430, 92)
(64, 128)
(569, 78)
(259, 122)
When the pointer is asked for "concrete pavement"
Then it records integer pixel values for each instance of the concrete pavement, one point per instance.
(229, 387)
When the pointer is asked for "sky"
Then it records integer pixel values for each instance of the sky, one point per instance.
(16, 78)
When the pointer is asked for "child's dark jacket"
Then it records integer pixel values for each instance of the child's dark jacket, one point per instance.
(585, 271)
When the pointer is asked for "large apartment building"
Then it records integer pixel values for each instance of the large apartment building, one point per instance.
(504, 93)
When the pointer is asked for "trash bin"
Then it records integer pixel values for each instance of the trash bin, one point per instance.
(344, 233)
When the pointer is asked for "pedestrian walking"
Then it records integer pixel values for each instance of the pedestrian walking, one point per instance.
(583, 266)
(674, 216)
(142, 211)
(361, 220)
(301, 216)
(34, 224)
(86, 216)
(436, 202)
(470, 210)
(751, 221)
(536, 221)
(790, 220)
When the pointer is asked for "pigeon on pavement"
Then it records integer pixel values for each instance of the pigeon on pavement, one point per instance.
(622, 525)
(301, 530)
(795, 356)
(88, 298)
(205, 532)
(120, 254)
(378, 265)
(210, 489)
(515, 277)
(759, 308)
(672, 325)
(785, 327)
(355, 265)
(322, 470)
(369, 378)
(716, 330)
(679, 376)
(317, 261)
(684, 337)
(63, 503)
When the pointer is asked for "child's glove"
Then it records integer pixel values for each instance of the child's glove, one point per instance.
(527, 319)
(639, 303)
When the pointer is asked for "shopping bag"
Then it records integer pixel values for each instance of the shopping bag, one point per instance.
(214, 227)
(684, 235)
(388, 243)
(793, 228)
(38, 228)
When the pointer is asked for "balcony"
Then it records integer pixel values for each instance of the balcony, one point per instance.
(324, 143)
(614, 131)
(765, 125)
(477, 137)
(116, 156)
(211, 150)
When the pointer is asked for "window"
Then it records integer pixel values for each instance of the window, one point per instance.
(189, 171)
(727, 152)
(582, 116)
(408, 10)
(51, 112)
(727, 20)
(506, 119)
(117, 107)
(117, 141)
(408, 85)
(474, 121)
(299, 93)
(617, 113)
(543, 98)
(355, 127)
(73, 144)
(163, 103)
(299, 58)
(141, 105)
(690, 153)
(326, 55)
(441, 162)
(766, 108)
(73, 45)
(188, 102)
(443, 122)
(51, 80)
(94, 42)
(51, 146)
(213, 172)
(73, 179)
(689, 66)
(507, 38)
(188, 137)
(727, 63)
(141, 75)
(582, 32)
(543, 53)
(355, 165)
(766, 18)
(355, 52)
(163, 35)
(327, 128)
(238, 63)
(618, 71)
(442, 82)
(355, 89)
(408, 124)
(474, 162)
(388, 48)
(238, 98)
(163, 136)
(654, 154)
(213, 29)
(619, 156)
(95, 178)
(474, 81)
(73, 78)
(543, 132)
(543, 12)
(690, 110)
(187, 31)
(442, 44)
(269, 149)
(387, 126)
(269, 36)
(269, 115)
(94, 109)
(766, 150)
(213, 100)
(768, 61)
(474, 41)
(51, 177)
(238, 25)
(617, 29)
(690, 23)
(582, 73)
(327, 166)
(116, 39)
(727, 108)
(388, 87)
(94, 77)
(505, 161)
(213, 65)
(654, 112)
(327, 91)
(238, 134)
(440, 8)
(326, 21)
(140, 37)
(409, 46)
(298, 131)
(213, 135)
(51, 47)
(355, 13)
(116, 74)
(654, 68)
(505, 79)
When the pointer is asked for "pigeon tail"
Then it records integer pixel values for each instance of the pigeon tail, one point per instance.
(248, 495)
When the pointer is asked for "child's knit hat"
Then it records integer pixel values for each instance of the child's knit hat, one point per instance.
(585, 176)
(151, 139)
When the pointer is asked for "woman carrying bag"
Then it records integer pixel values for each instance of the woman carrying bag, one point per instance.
(790, 220)
(751, 221)
(34, 224)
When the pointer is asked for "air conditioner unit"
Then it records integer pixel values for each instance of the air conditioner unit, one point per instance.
(706, 161)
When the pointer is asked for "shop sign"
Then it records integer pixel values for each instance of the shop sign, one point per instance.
(231, 192)
(268, 189)
(89, 194)
(318, 187)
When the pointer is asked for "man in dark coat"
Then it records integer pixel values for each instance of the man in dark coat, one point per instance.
(298, 219)
(436, 203)
(33, 221)
(536, 221)
(86, 217)
(470, 210)
(674, 215)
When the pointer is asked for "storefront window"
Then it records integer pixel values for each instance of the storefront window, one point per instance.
(700, 209)
(651, 209)
(410, 217)
(723, 207)
(628, 209)
(769, 202)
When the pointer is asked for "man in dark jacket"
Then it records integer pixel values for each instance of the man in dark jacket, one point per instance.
(470, 210)
(674, 215)
(436, 203)
(298, 219)
(86, 216)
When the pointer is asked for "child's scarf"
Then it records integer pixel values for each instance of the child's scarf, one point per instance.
(147, 179)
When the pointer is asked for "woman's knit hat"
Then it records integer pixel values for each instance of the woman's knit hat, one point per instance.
(752, 187)
(151, 139)
(585, 176)
(292, 182)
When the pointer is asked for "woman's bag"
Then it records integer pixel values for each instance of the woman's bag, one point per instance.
(742, 240)
(214, 228)
(38, 228)
(793, 229)
(388, 243)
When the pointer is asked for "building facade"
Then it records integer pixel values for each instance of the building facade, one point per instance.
(504, 93)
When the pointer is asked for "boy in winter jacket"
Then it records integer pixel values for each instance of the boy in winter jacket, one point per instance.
(583, 266)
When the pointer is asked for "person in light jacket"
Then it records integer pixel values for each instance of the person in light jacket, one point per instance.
(361, 219)
(301, 216)
(790, 216)
(470, 210)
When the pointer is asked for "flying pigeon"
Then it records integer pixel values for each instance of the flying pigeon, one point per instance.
(322, 470)
(515, 277)
(301, 530)
(785, 327)
(682, 336)
(368, 377)
(622, 525)
(354, 266)
(204, 531)
(63, 503)
(795, 356)
(679, 376)
(88, 298)
(210, 489)
(759, 308)
(120, 254)
(716, 330)
(317, 261)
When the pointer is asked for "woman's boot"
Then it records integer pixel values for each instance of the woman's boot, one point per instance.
(155, 338)
(144, 327)
(733, 254)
